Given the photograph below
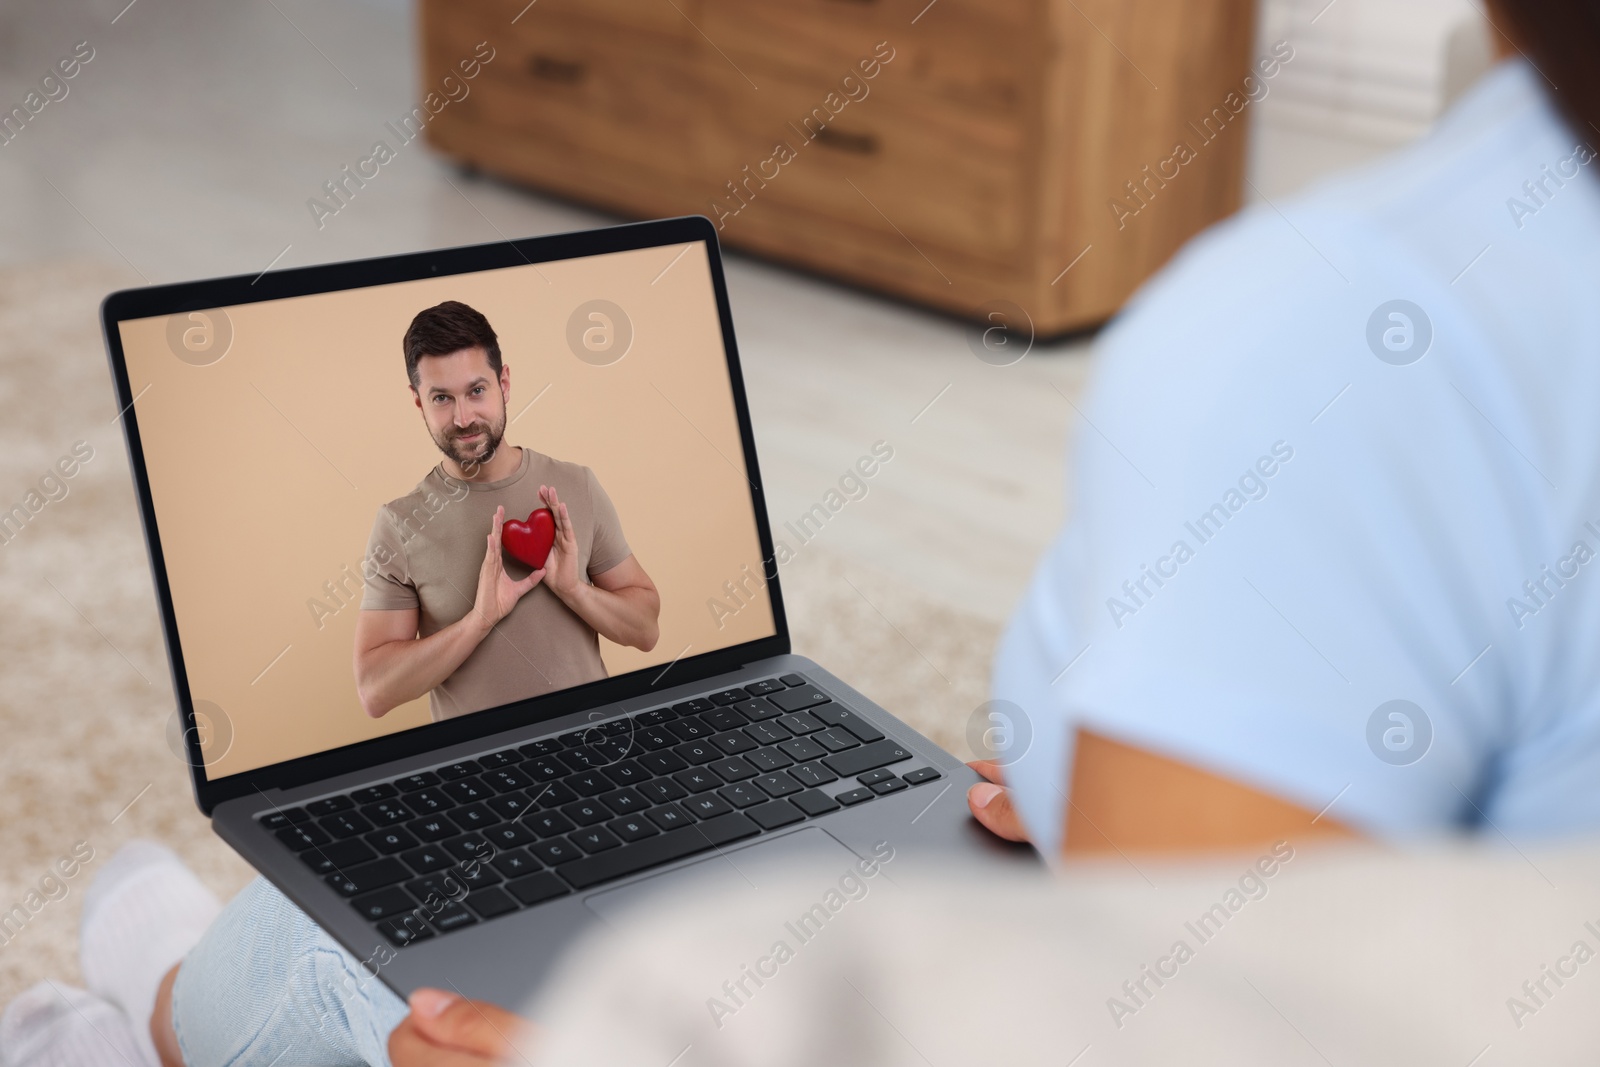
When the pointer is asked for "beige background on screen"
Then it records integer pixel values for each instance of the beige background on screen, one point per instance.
(268, 466)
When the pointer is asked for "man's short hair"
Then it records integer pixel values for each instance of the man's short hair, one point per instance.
(446, 328)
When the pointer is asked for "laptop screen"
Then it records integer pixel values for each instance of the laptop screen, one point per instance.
(325, 471)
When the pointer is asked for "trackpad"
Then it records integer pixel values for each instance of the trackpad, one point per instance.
(789, 874)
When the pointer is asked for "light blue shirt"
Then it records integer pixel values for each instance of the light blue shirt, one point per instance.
(1291, 506)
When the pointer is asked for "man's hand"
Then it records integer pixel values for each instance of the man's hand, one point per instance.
(498, 593)
(444, 1030)
(990, 802)
(561, 569)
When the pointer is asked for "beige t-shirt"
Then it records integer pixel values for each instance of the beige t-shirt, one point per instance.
(431, 542)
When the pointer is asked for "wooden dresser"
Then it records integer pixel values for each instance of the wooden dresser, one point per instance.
(954, 153)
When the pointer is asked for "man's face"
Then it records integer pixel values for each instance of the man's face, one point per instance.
(464, 404)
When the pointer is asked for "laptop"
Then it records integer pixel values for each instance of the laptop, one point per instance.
(457, 753)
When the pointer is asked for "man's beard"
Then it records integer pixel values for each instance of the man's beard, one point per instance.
(469, 457)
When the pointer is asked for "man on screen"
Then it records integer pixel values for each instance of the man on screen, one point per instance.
(447, 612)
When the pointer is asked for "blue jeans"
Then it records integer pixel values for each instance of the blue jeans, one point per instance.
(265, 985)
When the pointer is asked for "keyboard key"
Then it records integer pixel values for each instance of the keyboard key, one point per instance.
(435, 829)
(583, 758)
(549, 823)
(757, 710)
(337, 855)
(537, 888)
(345, 824)
(702, 751)
(813, 774)
(475, 874)
(889, 785)
(374, 793)
(697, 779)
(632, 829)
(617, 727)
(732, 769)
(778, 785)
(689, 728)
(594, 839)
(427, 859)
(707, 805)
(834, 715)
(589, 784)
(586, 812)
(547, 746)
(793, 679)
(387, 813)
(453, 917)
(654, 717)
(552, 795)
(724, 719)
(474, 817)
(555, 851)
(627, 772)
(814, 802)
(669, 816)
(383, 904)
(733, 742)
(729, 696)
(491, 902)
(802, 749)
(412, 783)
(511, 805)
(742, 795)
(922, 774)
(404, 930)
(854, 796)
(769, 759)
(693, 707)
(835, 740)
(658, 850)
(545, 769)
(767, 733)
(469, 847)
(391, 841)
(805, 696)
(428, 801)
(762, 688)
(662, 790)
(467, 791)
(365, 877)
(510, 835)
(464, 769)
(623, 801)
(800, 722)
(437, 890)
(506, 781)
(515, 863)
(277, 820)
(882, 774)
(662, 762)
(329, 806)
(301, 838)
(866, 758)
(775, 813)
(496, 760)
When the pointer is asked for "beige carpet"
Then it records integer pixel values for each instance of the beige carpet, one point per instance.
(85, 700)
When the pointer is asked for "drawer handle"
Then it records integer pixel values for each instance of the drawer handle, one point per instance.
(861, 144)
(559, 71)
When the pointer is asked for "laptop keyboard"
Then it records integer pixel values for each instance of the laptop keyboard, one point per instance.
(470, 841)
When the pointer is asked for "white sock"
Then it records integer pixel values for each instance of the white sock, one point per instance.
(55, 1025)
(141, 914)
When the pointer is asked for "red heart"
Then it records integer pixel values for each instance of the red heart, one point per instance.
(530, 541)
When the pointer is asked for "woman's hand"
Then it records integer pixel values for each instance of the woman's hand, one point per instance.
(446, 1030)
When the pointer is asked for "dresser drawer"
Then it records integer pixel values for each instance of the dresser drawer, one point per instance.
(969, 53)
(889, 164)
(600, 94)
